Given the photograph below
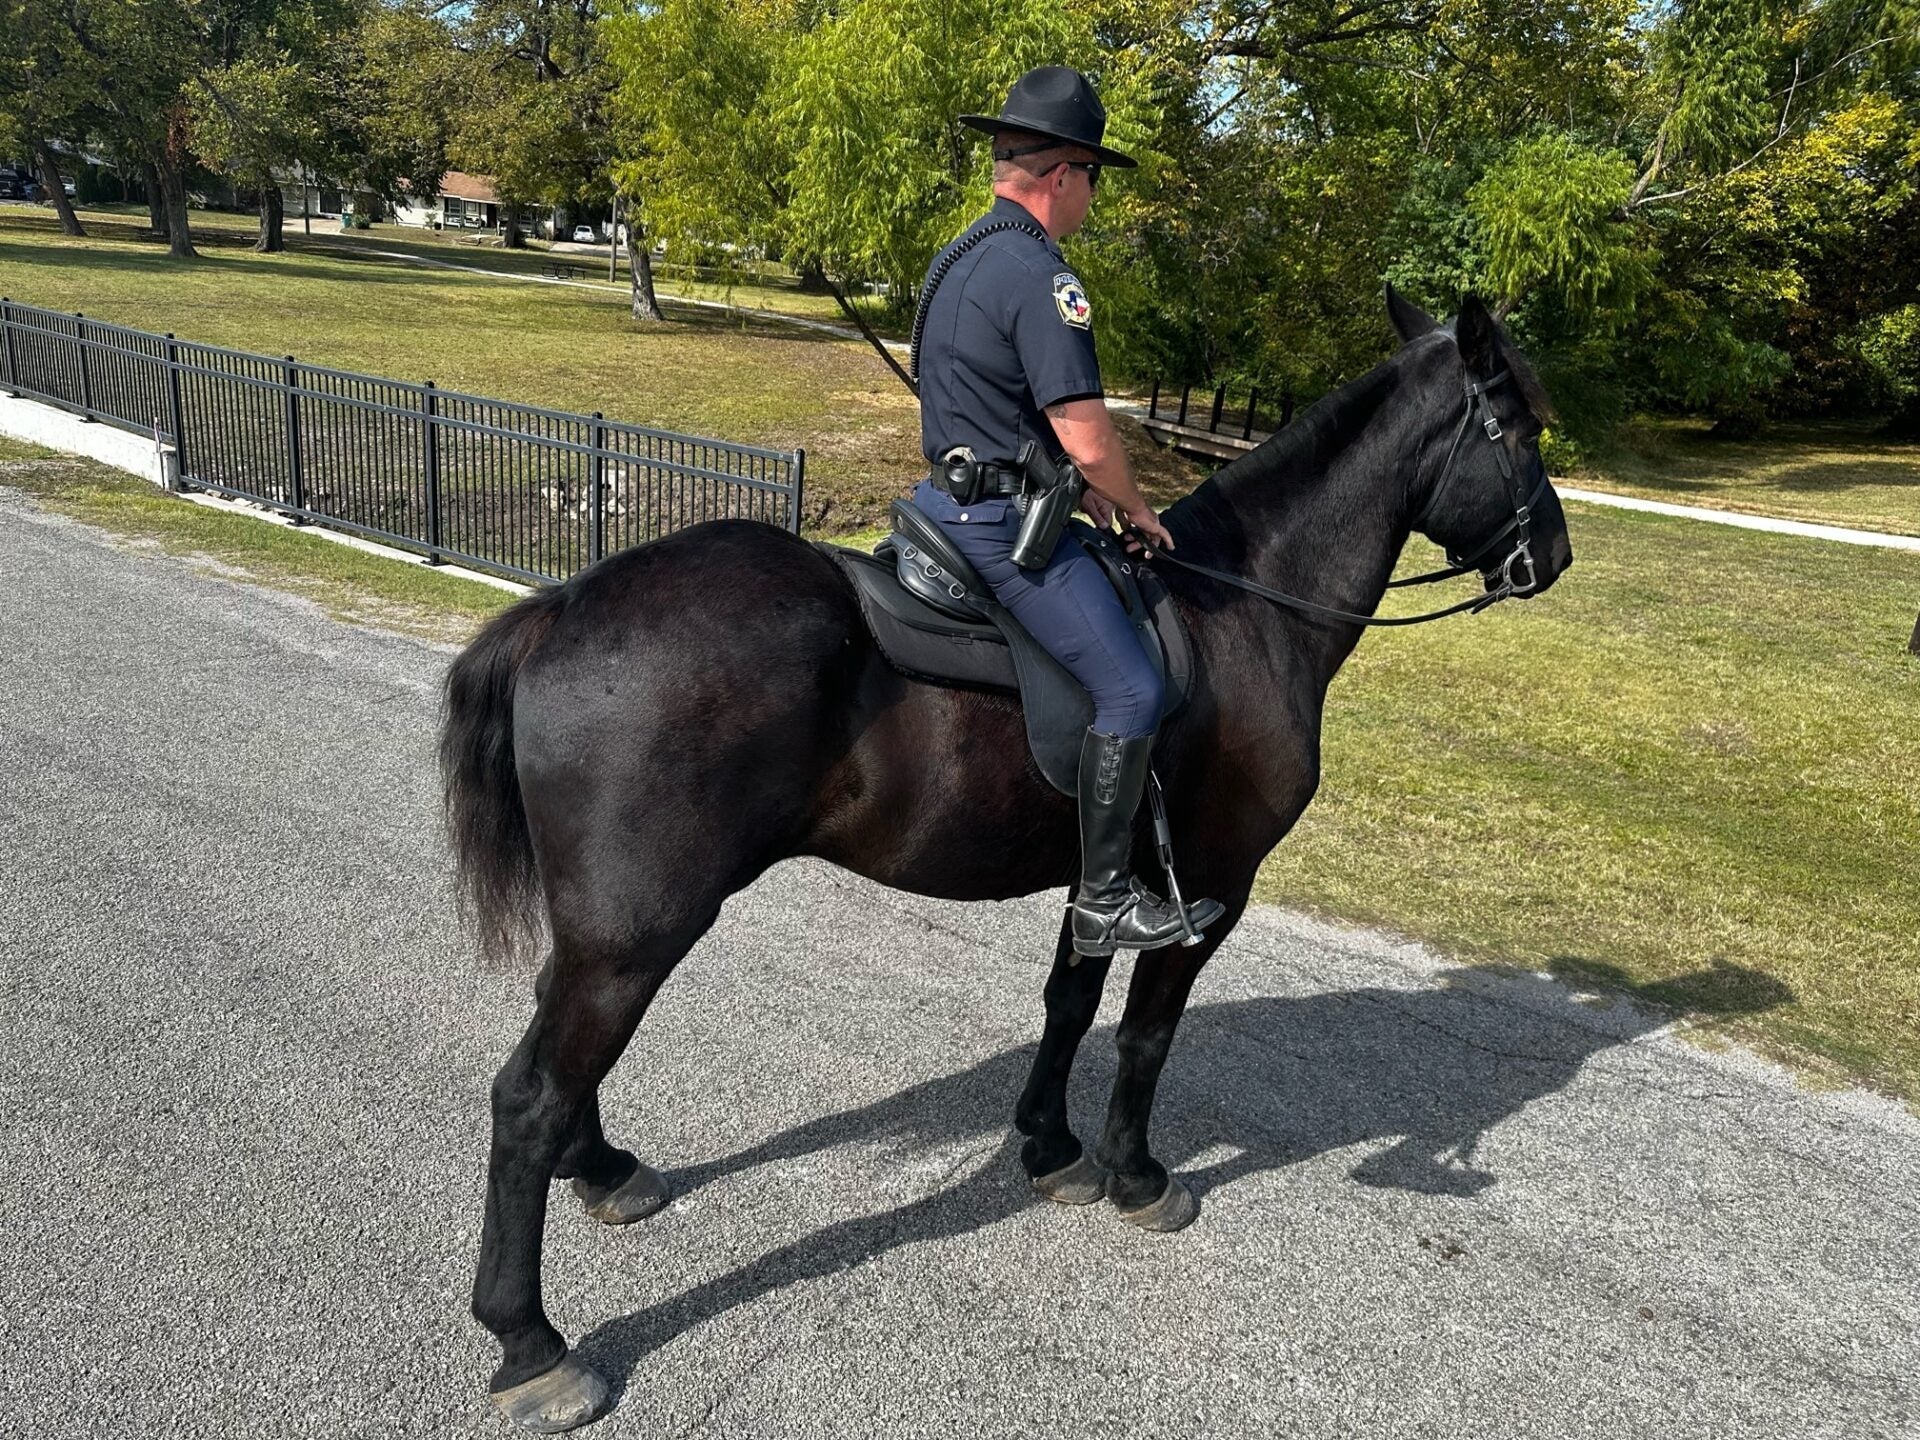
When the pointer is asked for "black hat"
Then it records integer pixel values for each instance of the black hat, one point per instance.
(1058, 103)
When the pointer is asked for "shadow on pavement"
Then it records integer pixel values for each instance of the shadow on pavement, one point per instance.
(1277, 1080)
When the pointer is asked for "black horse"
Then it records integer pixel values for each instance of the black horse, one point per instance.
(626, 750)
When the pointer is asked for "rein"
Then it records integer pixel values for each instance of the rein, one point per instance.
(1519, 526)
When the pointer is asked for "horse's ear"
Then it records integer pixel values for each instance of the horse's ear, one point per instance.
(1410, 322)
(1477, 333)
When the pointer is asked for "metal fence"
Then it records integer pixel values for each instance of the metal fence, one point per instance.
(532, 493)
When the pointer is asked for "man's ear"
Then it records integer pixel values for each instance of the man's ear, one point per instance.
(1476, 334)
(1410, 322)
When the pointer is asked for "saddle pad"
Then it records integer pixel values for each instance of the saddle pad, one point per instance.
(924, 644)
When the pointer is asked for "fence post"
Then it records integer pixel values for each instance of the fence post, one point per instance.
(6, 329)
(1186, 392)
(430, 402)
(179, 413)
(1219, 399)
(1286, 407)
(1153, 400)
(597, 491)
(1246, 430)
(86, 372)
(799, 483)
(296, 464)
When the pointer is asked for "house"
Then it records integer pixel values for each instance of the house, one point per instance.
(464, 202)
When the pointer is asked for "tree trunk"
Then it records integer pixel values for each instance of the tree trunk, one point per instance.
(646, 306)
(512, 239)
(50, 181)
(273, 219)
(156, 203)
(879, 345)
(173, 198)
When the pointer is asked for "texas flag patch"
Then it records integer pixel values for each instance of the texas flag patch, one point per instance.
(1071, 301)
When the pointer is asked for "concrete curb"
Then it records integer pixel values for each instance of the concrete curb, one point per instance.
(141, 455)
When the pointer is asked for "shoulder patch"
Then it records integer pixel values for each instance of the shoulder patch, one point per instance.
(1070, 299)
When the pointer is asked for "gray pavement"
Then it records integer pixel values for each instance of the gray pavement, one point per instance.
(244, 1057)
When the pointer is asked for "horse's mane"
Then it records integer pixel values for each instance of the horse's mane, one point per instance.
(1292, 457)
(1297, 454)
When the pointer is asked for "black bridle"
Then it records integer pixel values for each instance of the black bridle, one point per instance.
(1520, 526)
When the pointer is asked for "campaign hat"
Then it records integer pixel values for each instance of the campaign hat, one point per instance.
(1060, 104)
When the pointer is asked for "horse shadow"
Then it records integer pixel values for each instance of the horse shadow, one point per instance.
(1271, 1082)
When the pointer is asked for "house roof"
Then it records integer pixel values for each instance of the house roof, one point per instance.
(463, 186)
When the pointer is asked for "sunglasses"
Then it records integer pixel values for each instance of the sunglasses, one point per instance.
(1091, 167)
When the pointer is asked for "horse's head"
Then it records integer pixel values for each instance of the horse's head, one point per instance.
(1479, 488)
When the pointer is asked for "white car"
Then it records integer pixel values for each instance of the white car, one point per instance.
(583, 235)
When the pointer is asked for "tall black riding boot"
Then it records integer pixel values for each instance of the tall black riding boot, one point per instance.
(1113, 911)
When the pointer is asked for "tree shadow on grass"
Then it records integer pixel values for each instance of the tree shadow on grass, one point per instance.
(1277, 1080)
(1829, 476)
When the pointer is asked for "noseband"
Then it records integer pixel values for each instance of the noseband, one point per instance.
(1520, 527)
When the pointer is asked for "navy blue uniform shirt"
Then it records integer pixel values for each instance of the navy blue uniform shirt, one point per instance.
(1009, 332)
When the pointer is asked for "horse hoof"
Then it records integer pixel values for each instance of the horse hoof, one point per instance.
(1174, 1210)
(1080, 1183)
(564, 1398)
(635, 1198)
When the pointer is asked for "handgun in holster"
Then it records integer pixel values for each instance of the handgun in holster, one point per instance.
(1048, 495)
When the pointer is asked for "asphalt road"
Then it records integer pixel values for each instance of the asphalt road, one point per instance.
(244, 1058)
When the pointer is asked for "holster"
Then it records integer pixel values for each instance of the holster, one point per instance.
(1048, 495)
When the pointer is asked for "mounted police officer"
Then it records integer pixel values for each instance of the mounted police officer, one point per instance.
(1005, 355)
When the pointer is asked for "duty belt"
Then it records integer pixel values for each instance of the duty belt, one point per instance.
(989, 481)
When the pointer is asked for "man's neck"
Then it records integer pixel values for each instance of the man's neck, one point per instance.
(1036, 207)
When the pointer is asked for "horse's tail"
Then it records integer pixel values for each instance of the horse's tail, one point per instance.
(486, 819)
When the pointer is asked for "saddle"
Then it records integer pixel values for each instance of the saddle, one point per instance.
(936, 620)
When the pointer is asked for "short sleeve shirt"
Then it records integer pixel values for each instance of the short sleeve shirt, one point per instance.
(1008, 333)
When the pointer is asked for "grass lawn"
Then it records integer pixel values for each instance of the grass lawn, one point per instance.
(1694, 765)
(1836, 472)
(703, 372)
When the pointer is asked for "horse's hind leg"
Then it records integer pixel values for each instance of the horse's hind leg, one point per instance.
(612, 1184)
(1052, 1155)
(542, 1098)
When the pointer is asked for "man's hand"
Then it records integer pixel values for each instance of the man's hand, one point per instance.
(1098, 507)
(1142, 518)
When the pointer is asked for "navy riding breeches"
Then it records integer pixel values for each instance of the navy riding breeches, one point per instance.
(1069, 608)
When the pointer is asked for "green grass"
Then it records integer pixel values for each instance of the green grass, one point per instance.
(348, 583)
(743, 379)
(1694, 764)
(1835, 472)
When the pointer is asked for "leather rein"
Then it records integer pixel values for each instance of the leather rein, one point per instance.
(1520, 527)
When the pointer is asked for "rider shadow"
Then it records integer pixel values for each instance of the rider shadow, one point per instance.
(1275, 1080)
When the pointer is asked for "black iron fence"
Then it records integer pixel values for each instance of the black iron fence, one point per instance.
(532, 493)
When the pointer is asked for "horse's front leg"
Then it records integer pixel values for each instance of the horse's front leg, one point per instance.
(1052, 1155)
(1139, 1185)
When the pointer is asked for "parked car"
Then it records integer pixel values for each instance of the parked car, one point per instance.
(583, 235)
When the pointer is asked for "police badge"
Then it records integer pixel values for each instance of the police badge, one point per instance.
(1071, 301)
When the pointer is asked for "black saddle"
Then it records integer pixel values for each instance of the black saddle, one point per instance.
(935, 619)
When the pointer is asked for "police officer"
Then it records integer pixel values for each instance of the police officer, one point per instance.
(1006, 356)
